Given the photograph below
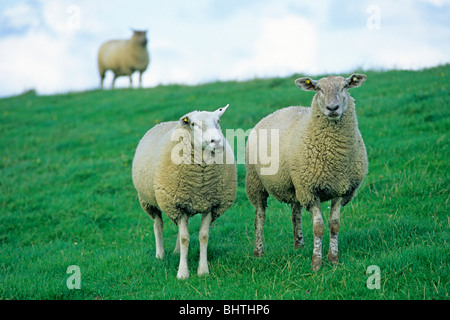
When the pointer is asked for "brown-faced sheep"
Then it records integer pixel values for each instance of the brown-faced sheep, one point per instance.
(321, 157)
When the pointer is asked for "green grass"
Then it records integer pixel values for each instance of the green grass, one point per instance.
(67, 197)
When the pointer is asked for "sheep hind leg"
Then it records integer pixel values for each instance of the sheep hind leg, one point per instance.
(158, 224)
(114, 81)
(183, 270)
(257, 195)
(204, 237)
(334, 222)
(296, 212)
(158, 229)
(260, 217)
(260, 204)
(318, 229)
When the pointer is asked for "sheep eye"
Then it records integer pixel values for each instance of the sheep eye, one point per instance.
(193, 124)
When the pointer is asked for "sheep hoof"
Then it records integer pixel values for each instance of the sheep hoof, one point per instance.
(203, 271)
(299, 244)
(183, 275)
(316, 262)
(258, 253)
(333, 257)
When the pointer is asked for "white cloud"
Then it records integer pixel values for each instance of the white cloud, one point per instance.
(256, 41)
(37, 61)
(438, 3)
(20, 16)
(283, 46)
(52, 55)
(52, 45)
(25, 70)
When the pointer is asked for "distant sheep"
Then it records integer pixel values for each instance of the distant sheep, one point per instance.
(124, 57)
(183, 178)
(321, 157)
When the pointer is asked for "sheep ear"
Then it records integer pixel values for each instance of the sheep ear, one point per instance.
(355, 80)
(185, 121)
(220, 111)
(306, 84)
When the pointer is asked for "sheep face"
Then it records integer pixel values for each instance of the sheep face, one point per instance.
(204, 128)
(140, 37)
(331, 93)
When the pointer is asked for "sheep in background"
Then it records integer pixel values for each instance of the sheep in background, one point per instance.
(124, 57)
(183, 178)
(321, 157)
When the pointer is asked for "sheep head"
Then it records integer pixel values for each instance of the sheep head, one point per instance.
(139, 37)
(204, 128)
(331, 92)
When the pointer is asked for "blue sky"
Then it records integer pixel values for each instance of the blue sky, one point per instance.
(51, 45)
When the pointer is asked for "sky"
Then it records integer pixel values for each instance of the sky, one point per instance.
(51, 45)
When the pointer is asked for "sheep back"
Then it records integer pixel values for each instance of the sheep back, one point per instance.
(285, 120)
(122, 57)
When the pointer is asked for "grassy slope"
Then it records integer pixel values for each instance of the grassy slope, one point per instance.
(67, 198)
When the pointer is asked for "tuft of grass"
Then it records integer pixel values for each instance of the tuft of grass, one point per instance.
(67, 197)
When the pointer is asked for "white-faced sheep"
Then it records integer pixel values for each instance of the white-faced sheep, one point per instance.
(124, 57)
(321, 157)
(184, 178)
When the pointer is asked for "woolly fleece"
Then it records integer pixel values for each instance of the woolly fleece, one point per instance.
(184, 189)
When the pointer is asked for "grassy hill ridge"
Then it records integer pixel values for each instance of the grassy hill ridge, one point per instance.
(67, 197)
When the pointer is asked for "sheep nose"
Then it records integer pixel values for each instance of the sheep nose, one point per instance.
(216, 141)
(333, 108)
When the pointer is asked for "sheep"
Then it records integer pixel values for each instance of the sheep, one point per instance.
(124, 57)
(183, 168)
(322, 157)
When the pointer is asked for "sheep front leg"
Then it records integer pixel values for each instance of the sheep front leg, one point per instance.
(204, 237)
(333, 224)
(140, 79)
(318, 228)
(296, 211)
(183, 270)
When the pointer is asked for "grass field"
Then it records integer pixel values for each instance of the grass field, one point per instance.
(67, 197)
